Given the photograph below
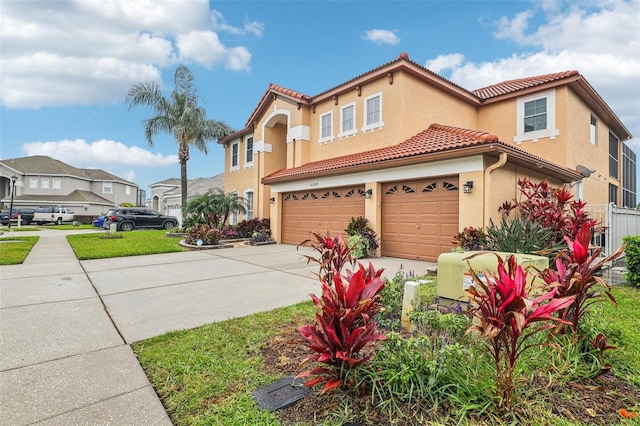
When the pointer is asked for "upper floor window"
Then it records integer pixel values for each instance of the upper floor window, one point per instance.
(127, 190)
(613, 156)
(536, 117)
(33, 183)
(347, 120)
(107, 187)
(249, 151)
(45, 183)
(57, 184)
(235, 164)
(593, 131)
(373, 112)
(326, 127)
(248, 197)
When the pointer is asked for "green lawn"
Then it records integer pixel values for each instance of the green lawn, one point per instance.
(99, 246)
(70, 227)
(206, 375)
(13, 253)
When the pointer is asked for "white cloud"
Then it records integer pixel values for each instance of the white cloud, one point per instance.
(381, 36)
(102, 154)
(81, 52)
(598, 41)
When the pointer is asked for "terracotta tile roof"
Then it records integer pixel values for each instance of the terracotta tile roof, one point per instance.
(288, 92)
(436, 138)
(511, 86)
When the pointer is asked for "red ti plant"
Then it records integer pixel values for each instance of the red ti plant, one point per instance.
(505, 314)
(345, 324)
(576, 274)
(334, 255)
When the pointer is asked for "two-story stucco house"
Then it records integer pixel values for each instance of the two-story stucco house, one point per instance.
(419, 156)
(44, 181)
(166, 195)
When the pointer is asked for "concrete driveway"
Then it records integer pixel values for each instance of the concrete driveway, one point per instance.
(66, 326)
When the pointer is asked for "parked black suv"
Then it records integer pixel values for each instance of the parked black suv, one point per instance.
(130, 218)
(26, 216)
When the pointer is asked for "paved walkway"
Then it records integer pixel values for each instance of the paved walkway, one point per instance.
(66, 326)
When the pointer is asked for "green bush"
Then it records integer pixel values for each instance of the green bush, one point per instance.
(359, 246)
(632, 258)
(519, 236)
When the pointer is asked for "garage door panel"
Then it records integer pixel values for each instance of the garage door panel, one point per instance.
(319, 211)
(430, 203)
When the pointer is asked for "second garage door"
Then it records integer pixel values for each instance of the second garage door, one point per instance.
(419, 217)
(319, 210)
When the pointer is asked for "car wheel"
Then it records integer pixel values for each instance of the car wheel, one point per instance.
(126, 226)
(168, 225)
(59, 221)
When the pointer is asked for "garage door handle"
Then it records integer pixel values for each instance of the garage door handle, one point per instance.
(417, 226)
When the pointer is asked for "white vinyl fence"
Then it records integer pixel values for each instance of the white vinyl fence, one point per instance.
(616, 223)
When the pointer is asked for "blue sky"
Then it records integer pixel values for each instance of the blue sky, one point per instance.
(67, 65)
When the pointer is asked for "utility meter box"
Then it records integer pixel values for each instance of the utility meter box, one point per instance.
(454, 277)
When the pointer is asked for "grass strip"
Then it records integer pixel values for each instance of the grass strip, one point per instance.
(14, 253)
(207, 375)
(99, 246)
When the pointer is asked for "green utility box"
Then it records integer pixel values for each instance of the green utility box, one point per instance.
(454, 277)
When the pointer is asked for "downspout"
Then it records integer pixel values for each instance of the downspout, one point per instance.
(502, 160)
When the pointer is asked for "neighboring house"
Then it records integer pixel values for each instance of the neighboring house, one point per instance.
(419, 156)
(166, 196)
(44, 181)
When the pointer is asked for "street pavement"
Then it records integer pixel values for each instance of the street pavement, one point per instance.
(66, 325)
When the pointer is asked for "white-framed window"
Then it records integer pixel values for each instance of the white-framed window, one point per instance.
(248, 196)
(347, 120)
(107, 187)
(233, 216)
(127, 190)
(373, 112)
(248, 157)
(536, 117)
(57, 184)
(326, 127)
(235, 161)
(33, 183)
(593, 131)
(45, 183)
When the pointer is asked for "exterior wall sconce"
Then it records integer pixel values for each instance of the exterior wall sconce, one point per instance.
(272, 200)
(368, 193)
(468, 186)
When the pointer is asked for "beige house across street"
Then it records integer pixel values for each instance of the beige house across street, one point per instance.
(421, 157)
(45, 181)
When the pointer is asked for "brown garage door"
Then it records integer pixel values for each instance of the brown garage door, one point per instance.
(419, 217)
(319, 210)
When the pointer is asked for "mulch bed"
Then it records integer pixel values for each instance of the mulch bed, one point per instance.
(591, 402)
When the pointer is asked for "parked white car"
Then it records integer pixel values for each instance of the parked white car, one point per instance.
(52, 214)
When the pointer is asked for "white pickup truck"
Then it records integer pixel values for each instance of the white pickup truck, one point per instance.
(52, 215)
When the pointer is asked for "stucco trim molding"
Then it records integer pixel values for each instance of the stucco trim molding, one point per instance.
(298, 133)
(260, 146)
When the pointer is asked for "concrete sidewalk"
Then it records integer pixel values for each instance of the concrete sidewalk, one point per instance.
(66, 326)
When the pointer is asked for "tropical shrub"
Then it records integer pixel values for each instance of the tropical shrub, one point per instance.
(505, 317)
(518, 236)
(471, 238)
(247, 228)
(549, 207)
(334, 255)
(358, 245)
(261, 236)
(344, 326)
(632, 259)
(228, 234)
(359, 226)
(577, 275)
(209, 235)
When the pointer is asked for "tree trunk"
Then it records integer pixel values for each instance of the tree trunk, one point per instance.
(183, 157)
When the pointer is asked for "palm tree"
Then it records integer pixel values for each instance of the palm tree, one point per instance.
(179, 115)
(229, 203)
